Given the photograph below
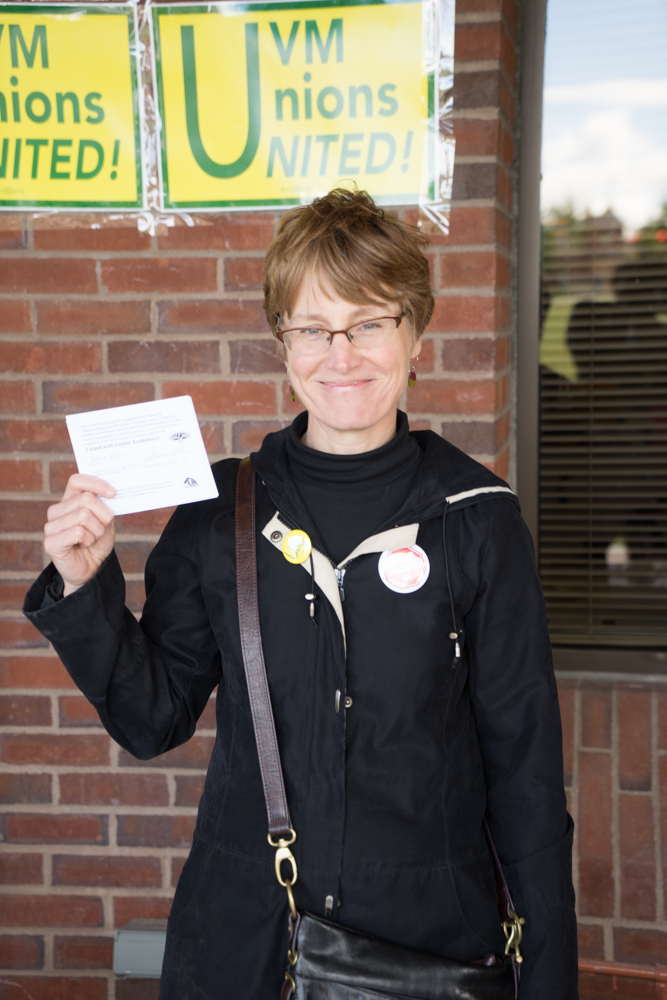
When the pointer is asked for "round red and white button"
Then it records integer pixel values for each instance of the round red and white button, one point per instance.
(404, 570)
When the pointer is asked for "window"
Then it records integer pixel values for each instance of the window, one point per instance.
(602, 465)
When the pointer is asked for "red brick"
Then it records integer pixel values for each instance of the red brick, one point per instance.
(247, 435)
(469, 354)
(474, 269)
(74, 397)
(88, 232)
(634, 741)
(15, 316)
(30, 515)
(84, 750)
(189, 789)
(213, 434)
(477, 137)
(155, 831)
(212, 316)
(128, 908)
(21, 951)
(467, 313)
(164, 356)
(662, 720)
(196, 753)
(500, 465)
(12, 593)
(454, 396)
(637, 844)
(246, 231)
(596, 878)
(17, 396)
(596, 717)
(59, 473)
(226, 396)
(51, 910)
(476, 180)
(18, 633)
(17, 555)
(55, 276)
(474, 42)
(243, 274)
(475, 437)
(97, 317)
(33, 672)
(247, 357)
(87, 953)
(114, 789)
(566, 693)
(177, 865)
(426, 360)
(89, 870)
(506, 146)
(25, 788)
(663, 821)
(13, 234)
(21, 869)
(34, 435)
(75, 710)
(33, 357)
(21, 475)
(54, 988)
(591, 940)
(46, 828)
(160, 274)
(135, 595)
(129, 988)
(24, 710)
(640, 946)
(207, 719)
(145, 521)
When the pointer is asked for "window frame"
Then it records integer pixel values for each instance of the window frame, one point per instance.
(644, 662)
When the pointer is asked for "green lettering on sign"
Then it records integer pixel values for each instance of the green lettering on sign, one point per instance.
(204, 161)
(38, 38)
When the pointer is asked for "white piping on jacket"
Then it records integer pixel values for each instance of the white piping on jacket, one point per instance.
(394, 538)
(474, 493)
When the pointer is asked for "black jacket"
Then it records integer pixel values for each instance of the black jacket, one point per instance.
(387, 791)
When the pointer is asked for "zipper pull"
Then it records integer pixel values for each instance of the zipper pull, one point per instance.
(457, 647)
(311, 607)
(340, 573)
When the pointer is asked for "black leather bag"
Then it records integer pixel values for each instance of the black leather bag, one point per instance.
(326, 961)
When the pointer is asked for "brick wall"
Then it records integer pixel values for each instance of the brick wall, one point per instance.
(95, 311)
(615, 750)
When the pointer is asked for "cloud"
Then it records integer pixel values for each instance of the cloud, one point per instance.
(611, 93)
(602, 161)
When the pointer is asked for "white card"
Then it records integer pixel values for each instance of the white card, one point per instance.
(151, 453)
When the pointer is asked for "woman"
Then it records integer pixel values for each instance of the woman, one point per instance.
(404, 716)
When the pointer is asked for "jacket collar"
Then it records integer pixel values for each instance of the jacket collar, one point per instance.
(446, 472)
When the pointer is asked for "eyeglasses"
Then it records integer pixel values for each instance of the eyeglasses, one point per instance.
(370, 333)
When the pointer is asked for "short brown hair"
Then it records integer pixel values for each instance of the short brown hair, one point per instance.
(366, 255)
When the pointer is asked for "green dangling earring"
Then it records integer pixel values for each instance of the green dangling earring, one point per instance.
(292, 392)
(412, 376)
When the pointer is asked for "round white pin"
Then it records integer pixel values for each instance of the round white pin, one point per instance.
(404, 570)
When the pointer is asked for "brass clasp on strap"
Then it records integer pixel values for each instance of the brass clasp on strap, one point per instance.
(283, 853)
(514, 933)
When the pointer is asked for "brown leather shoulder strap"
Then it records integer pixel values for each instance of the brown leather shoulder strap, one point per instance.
(253, 654)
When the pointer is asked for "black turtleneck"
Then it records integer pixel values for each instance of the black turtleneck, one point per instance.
(349, 497)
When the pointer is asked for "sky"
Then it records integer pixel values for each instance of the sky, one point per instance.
(604, 135)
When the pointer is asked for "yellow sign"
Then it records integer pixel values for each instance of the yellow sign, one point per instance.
(297, 546)
(69, 106)
(269, 104)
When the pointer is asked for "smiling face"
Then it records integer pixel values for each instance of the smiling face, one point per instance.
(351, 394)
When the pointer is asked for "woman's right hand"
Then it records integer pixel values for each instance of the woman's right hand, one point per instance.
(79, 533)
